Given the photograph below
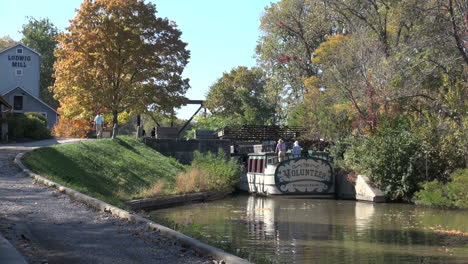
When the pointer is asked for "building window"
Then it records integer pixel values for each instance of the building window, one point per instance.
(19, 72)
(19, 51)
(18, 102)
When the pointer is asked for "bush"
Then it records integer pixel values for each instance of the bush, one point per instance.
(406, 151)
(29, 125)
(452, 194)
(392, 158)
(209, 172)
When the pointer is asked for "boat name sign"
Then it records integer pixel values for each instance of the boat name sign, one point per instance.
(305, 176)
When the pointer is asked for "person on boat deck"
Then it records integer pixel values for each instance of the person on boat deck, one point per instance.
(296, 150)
(281, 150)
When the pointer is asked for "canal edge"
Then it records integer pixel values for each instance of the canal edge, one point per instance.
(198, 246)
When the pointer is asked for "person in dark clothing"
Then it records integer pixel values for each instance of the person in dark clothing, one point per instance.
(153, 132)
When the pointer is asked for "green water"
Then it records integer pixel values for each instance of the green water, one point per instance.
(329, 231)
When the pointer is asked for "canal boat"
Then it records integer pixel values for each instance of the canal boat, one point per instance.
(308, 175)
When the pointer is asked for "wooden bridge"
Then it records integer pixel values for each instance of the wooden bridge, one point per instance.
(260, 132)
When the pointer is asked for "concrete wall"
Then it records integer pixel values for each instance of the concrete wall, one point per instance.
(361, 190)
(344, 189)
(182, 149)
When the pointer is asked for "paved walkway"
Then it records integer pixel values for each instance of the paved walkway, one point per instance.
(47, 227)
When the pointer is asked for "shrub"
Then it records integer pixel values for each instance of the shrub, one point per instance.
(193, 180)
(29, 125)
(393, 160)
(452, 194)
(209, 172)
(36, 126)
(390, 159)
(157, 189)
(405, 151)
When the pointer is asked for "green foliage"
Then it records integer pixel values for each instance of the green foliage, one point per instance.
(40, 36)
(239, 96)
(211, 122)
(110, 170)
(432, 194)
(292, 30)
(394, 79)
(444, 141)
(337, 150)
(452, 194)
(392, 158)
(405, 151)
(29, 125)
(223, 171)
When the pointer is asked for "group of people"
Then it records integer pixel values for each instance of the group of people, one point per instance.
(281, 150)
(99, 122)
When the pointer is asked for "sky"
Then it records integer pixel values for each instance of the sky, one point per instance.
(221, 34)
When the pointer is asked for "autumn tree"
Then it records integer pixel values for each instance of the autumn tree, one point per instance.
(240, 96)
(6, 41)
(292, 30)
(388, 21)
(118, 57)
(40, 36)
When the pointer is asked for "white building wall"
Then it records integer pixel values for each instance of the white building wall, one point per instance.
(27, 63)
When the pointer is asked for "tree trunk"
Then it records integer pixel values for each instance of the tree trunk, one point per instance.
(115, 124)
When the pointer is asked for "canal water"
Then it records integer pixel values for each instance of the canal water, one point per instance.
(287, 230)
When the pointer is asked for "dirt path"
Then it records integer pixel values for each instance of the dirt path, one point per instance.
(47, 227)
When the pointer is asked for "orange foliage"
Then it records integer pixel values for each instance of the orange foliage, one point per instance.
(71, 128)
(451, 232)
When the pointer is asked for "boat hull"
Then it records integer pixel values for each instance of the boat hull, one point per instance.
(296, 177)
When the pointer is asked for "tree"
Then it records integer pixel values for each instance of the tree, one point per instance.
(456, 17)
(119, 57)
(40, 35)
(458, 11)
(6, 41)
(292, 30)
(240, 95)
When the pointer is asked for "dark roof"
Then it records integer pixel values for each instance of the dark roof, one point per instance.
(39, 100)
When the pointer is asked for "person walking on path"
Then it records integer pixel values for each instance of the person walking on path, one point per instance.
(98, 122)
(296, 150)
(281, 150)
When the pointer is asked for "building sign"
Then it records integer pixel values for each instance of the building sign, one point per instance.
(305, 176)
(19, 60)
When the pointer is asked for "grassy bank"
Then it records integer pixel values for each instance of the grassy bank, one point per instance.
(110, 170)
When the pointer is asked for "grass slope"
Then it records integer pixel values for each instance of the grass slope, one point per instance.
(109, 170)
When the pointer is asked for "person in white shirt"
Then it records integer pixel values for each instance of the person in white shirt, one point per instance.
(296, 150)
(98, 122)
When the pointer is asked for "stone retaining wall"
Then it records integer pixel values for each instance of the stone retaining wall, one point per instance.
(182, 149)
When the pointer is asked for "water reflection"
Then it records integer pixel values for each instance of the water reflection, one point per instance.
(363, 213)
(329, 231)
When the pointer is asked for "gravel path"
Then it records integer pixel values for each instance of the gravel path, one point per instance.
(48, 227)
